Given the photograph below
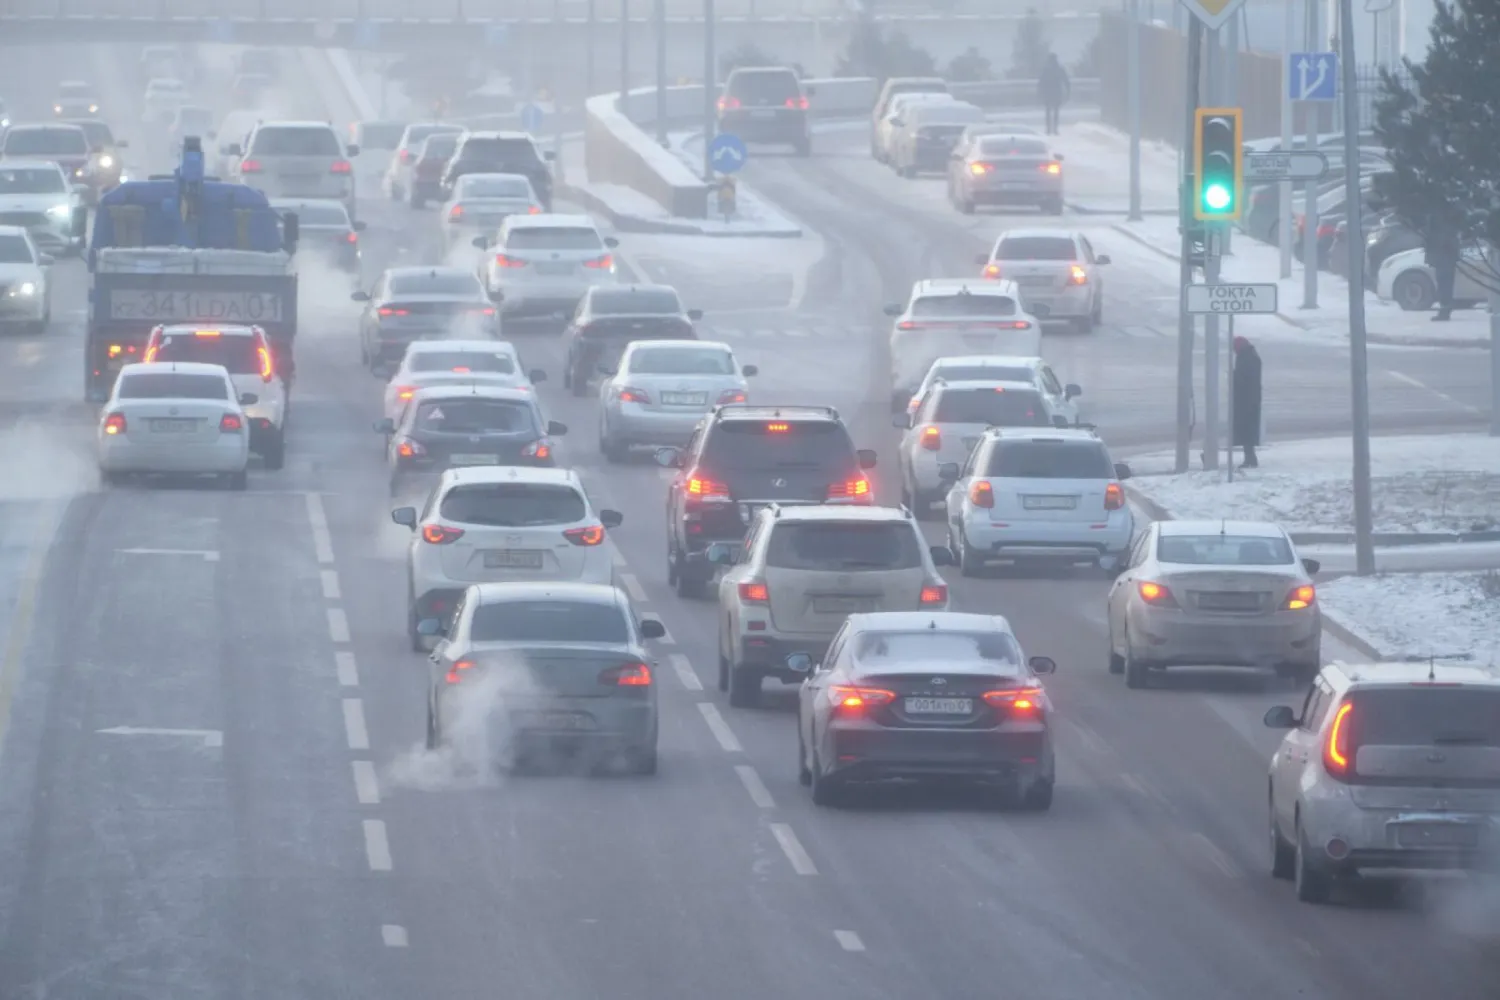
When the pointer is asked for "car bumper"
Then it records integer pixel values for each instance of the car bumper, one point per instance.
(1064, 541)
(23, 308)
(1167, 637)
(1004, 192)
(860, 750)
(631, 424)
(541, 297)
(528, 735)
(1378, 839)
(128, 456)
(777, 127)
(1047, 306)
(767, 654)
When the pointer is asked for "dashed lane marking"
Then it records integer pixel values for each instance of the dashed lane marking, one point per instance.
(685, 672)
(759, 793)
(331, 591)
(849, 941)
(318, 518)
(354, 724)
(716, 725)
(632, 587)
(377, 846)
(366, 784)
(338, 625)
(802, 862)
(207, 555)
(347, 671)
(394, 935)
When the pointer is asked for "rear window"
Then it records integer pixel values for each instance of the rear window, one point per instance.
(440, 146)
(1010, 146)
(46, 141)
(682, 361)
(766, 85)
(463, 361)
(554, 238)
(508, 150)
(749, 445)
(639, 302)
(1049, 460)
(627, 328)
(549, 621)
(31, 180)
(479, 186)
(442, 283)
(380, 135)
(851, 545)
(1224, 550)
(931, 87)
(1036, 248)
(1011, 408)
(416, 134)
(295, 142)
(172, 385)
(962, 306)
(13, 250)
(1426, 716)
(474, 416)
(317, 215)
(965, 373)
(513, 505)
(990, 652)
(236, 353)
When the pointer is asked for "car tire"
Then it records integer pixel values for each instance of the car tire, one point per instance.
(237, 480)
(1098, 316)
(909, 172)
(111, 478)
(965, 205)
(826, 791)
(1137, 673)
(1053, 206)
(397, 481)
(417, 201)
(1038, 796)
(969, 564)
(434, 727)
(417, 640)
(1414, 291)
(723, 667)
(744, 687)
(689, 587)
(1083, 324)
(803, 146)
(1313, 884)
(1283, 854)
(804, 773)
(1116, 661)
(643, 760)
(579, 386)
(275, 453)
(899, 400)
(613, 452)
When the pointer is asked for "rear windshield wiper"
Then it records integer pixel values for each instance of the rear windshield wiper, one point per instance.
(1457, 739)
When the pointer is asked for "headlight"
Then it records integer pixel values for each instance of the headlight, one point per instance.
(28, 288)
(57, 108)
(106, 161)
(93, 109)
(4, 123)
(60, 211)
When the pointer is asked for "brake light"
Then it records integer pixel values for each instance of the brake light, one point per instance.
(454, 674)
(484, 310)
(992, 270)
(605, 263)
(388, 311)
(590, 536)
(627, 675)
(148, 357)
(340, 167)
(114, 423)
(935, 593)
(405, 391)
(854, 700)
(250, 166)
(980, 169)
(1052, 168)
(1301, 597)
(849, 490)
(1156, 594)
(755, 593)
(534, 210)
(1114, 497)
(440, 534)
(932, 438)
(1336, 750)
(540, 449)
(230, 423)
(208, 333)
(634, 396)
(1077, 275)
(799, 103)
(407, 448)
(406, 156)
(729, 396)
(456, 214)
(706, 490)
(778, 428)
(353, 237)
(503, 261)
(729, 103)
(1017, 699)
(907, 324)
(982, 494)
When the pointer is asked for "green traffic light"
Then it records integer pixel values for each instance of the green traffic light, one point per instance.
(1217, 197)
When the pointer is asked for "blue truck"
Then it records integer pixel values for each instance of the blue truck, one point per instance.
(185, 248)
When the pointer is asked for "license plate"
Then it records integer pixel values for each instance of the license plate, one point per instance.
(1229, 602)
(554, 268)
(474, 459)
(684, 398)
(763, 113)
(939, 706)
(513, 559)
(166, 425)
(556, 720)
(840, 605)
(1437, 835)
(1049, 503)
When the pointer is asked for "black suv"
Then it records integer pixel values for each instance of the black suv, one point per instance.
(501, 153)
(766, 104)
(742, 458)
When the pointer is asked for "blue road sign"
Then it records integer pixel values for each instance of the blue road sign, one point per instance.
(727, 153)
(223, 30)
(367, 34)
(495, 33)
(531, 118)
(1313, 76)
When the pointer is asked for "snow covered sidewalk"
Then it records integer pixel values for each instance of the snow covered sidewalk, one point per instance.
(1447, 615)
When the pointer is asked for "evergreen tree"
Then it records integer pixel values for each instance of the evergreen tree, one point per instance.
(1031, 48)
(970, 66)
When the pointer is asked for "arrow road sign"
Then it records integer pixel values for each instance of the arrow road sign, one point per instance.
(1312, 76)
(1213, 13)
(1230, 300)
(1295, 166)
(727, 153)
(531, 118)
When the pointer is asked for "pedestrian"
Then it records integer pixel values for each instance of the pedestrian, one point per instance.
(1442, 253)
(1054, 88)
(1245, 432)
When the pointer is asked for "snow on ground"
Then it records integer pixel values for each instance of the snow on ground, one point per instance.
(1419, 484)
(1421, 614)
(1096, 165)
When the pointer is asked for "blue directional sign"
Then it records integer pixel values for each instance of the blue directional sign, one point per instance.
(1313, 76)
(727, 153)
(495, 33)
(531, 118)
(223, 30)
(367, 35)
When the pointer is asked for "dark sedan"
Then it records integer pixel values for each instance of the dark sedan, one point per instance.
(325, 231)
(453, 426)
(421, 303)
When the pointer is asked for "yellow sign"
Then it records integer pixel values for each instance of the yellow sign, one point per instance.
(1213, 13)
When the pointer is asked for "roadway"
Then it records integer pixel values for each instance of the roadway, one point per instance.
(292, 840)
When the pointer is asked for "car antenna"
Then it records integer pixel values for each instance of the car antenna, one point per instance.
(932, 624)
(1432, 668)
(1223, 527)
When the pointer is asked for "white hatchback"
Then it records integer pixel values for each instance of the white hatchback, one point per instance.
(955, 316)
(175, 418)
(429, 363)
(542, 265)
(663, 388)
(499, 524)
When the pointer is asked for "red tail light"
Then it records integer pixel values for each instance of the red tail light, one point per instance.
(634, 396)
(440, 534)
(729, 103)
(341, 167)
(534, 210)
(992, 270)
(798, 103)
(627, 675)
(540, 450)
(1114, 497)
(982, 494)
(1015, 699)
(353, 237)
(1156, 594)
(484, 311)
(407, 448)
(267, 363)
(935, 593)
(907, 324)
(503, 261)
(455, 675)
(980, 169)
(850, 490)
(755, 593)
(1077, 276)
(932, 439)
(1052, 168)
(406, 156)
(250, 166)
(601, 263)
(853, 700)
(778, 428)
(388, 311)
(230, 423)
(151, 353)
(1301, 597)
(1337, 752)
(702, 490)
(405, 391)
(456, 214)
(114, 423)
(592, 535)
(730, 396)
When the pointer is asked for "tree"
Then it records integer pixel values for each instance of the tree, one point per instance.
(969, 67)
(876, 53)
(1087, 65)
(1031, 49)
(745, 54)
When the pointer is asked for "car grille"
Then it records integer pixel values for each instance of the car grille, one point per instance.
(23, 218)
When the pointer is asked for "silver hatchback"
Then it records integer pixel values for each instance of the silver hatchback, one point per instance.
(662, 388)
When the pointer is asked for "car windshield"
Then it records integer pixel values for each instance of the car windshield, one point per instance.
(549, 621)
(14, 249)
(682, 361)
(962, 305)
(751, 446)
(480, 186)
(295, 142)
(501, 150)
(475, 416)
(1011, 146)
(317, 215)
(989, 652)
(1036, 248)
(32, 180)
(1224, 550)
(236, 353)
(440, 146)
(463, 362)
(554, 238)
(635, 302)
(172, 385)
(97, 133)
(848, 545)
(992, 408)
(983, 373)
(46, 141)
(514, 505)
(455, 283)
(1049, 460)
(1421, 716)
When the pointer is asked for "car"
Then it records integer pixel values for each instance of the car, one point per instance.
(1389, 236)
(482, 202)
(105, 167)
(1408, 280)
(1057, 272)
(35, 195)
(75, 99)
(162, 60)
(249, 88)
(925, 694)
(490, 525)
(1005, 170)
(892, 88)
(541, 266)
(162, 99)
(383, 137)
(946, 317)
(398, 174)
(296, 160)
(429, 363)
(801, 571)
(25, 289)
(233, 134)
(766, 104)
(923, 136)
(325, 231)
(452, 426)
(246, 353)
(1033, 371)
(421, 303)
(948, 424)
(741, 458)
(1387, 773)
(661, 389)
(1213, 594)
(190, 119)
(567, 666)
(1028, 496)
(987, 128)
(63, 144)
(609, 318)
(886, 128)
(500, 153)
(432, 156)
(175, 417)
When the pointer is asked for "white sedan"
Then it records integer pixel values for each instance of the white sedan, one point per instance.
(175, 418)
(1406, 279)
(25, 292)
(430, 363)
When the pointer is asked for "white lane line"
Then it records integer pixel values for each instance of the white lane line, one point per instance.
(616, 558)
(354, 724)
(348, 672)
(394, 935)
(338, 625)
(759, 793)
(207, 555)
(318, 518)
(1417, 383)
(1218, 858)
(849, 941)
(331, 590)
(366, 784)
(716, 725)
(802, 863)
(377, 846)
(685, 671)
(632, 587)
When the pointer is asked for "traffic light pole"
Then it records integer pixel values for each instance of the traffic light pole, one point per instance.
(1185, 330)
(1213, 244)
(1310, 205)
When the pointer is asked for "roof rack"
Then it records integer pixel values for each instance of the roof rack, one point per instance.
(754, 411)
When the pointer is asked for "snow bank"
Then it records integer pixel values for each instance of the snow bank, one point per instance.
(1421, 614)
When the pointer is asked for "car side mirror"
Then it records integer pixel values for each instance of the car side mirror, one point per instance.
(352, 149)
(800, 663)
(46, 259)
(360, 297)
(651, 628)
(430, 628)
(1042, 665)
(405, 516)
(901, 421)
(981, 259)
(1280, 717)
(357, 226)
(386, 426)
(749, 371)
(611, 242)
(695, 314)
(482, 242)
(896, 123)
(536, 375)
(611, 518)
(609, 370)
(721, 553)
(1122, 471)
(1058, 420)
(894, 310)
(942, 556)
(1312, 566)
(556, 429)
(248, 399)
(866, 458)
(668, 458)
(949, 472)
(1102, 259)
(1072, 390)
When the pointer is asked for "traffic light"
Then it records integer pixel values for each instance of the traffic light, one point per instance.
(1218, 164)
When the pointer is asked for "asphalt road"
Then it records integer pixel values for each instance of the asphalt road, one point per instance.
(287, 837)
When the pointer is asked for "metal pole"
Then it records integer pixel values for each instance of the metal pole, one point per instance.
(710, 88)
(1185, 331)
(1310, 206)
(1229, 93)
(661, 72)
(1284, 196)
(1359, 362)
(1214, 244)
(1133, 92)
(1495, 364)
(588, 50)
(1229, 394)
(625, 58)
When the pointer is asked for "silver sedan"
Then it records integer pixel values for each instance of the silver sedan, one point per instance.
(661, 390)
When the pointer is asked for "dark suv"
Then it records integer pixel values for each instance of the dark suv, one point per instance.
(501, 153)
(766, 104)
(743, 458)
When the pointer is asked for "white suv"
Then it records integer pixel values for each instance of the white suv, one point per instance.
(801, 571)
(296, 160)
(1027, 496)
(1008, 368)
(493, 525)
(952, 316)
(542, 265)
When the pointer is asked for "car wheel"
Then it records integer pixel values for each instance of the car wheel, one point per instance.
(826, 791)
(1116, 661)
(1283, 855)
(434, 727)
(397, 481)
(672, 565)
(580, 386)
(969, 563)
(744, 686)
(417, 201)
(1083, 324)
(612, 450)
(111, 478)
(275, 453)
(1313, 884)
(804, 773)
(723, 666)
(909, 172)
(643, 760)
(418, 641)
(966, 206)
(689, 586)
(237, 480)
(1053, 206)
(1137, 674)
(1414, 291)
(1038, 797)
(899, 400)
(804, 147)
(1098, 316)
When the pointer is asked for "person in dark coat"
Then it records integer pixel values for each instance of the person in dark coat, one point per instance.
(1054, 88)
(1245, 432)
(1442, 253)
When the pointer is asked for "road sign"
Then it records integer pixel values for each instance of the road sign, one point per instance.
(495, 34)
(1303, 165)
(1313, 76)
(727, 153)
(1230, 300)
(367, 35)
(531, 118)
(1213, 13)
